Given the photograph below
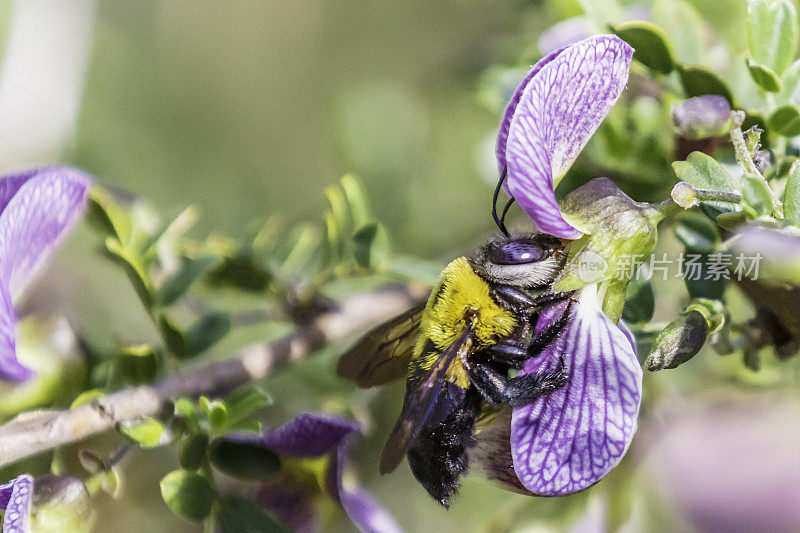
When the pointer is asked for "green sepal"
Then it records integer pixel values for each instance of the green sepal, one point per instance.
(616, 226)
(140, 363)
(652, 47)
(62, 504)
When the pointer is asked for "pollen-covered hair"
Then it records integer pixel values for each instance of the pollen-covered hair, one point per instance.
(525, 260)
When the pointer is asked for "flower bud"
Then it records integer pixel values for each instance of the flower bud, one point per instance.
(702, 117)
(678, 342)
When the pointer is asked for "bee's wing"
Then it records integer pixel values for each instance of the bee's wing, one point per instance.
(383, 354)
(418, 405)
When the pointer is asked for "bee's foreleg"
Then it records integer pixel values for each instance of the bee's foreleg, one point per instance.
(509, 353)
(526, 389)
(545, 337)
(491, 383)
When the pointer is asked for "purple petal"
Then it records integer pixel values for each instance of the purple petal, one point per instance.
(38, 210)
(558, 111)
(361, 508)
(15, 499)
(306, 435)
(570, 439)
(508, 114)
(292, 501)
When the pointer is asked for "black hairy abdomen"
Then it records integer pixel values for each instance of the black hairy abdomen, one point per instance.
(438, 456)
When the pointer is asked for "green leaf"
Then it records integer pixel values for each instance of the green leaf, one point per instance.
(243, 460)
(697, 233)
(187, 494)
(175, 286)
(785, 120)
(245, 401)
(242, 271)
(133, 268)
(371, 245)
(302, 244)
(701, 284)
(652, 48)
(140, 363)
(106, 215)
(685, 28)
(87, 397)
(174, 337)
(233, 514)
(791, 85)
(764, 77)
(207, 331)
(603, 12)
(756, 197)
(146, 432)
(185, 409)
(192, 452)
(639, 302)
(356, 200)
(698, 81)
(216, 411)
(703, 172)
(772, 31)
(791, 196)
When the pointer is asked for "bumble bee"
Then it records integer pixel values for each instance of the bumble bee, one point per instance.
(458, 350)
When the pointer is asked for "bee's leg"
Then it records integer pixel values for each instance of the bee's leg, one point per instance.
(509, 353)
(522, 302)
(526, 389)
(513, 299)
(545, 337)
(491, 383)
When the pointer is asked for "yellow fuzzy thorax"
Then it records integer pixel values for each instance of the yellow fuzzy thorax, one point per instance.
(460, 290)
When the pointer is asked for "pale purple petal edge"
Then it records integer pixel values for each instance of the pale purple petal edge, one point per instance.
(306, 435)
(18, 506)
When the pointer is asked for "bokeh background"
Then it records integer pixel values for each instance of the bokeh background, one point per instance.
(251, 108)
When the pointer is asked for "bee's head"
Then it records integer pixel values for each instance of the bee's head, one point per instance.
(526, 261)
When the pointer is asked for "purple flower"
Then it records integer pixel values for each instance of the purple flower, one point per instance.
(37, 209)
(15, 500)
(702, 117)
(567, 440)
(550, 118)
(291, 494)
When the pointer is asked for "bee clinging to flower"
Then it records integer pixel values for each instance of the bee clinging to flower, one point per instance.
(509, 327)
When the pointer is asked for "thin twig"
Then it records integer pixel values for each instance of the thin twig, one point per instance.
(35, 432)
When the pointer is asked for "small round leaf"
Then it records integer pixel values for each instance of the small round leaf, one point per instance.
(187, 494)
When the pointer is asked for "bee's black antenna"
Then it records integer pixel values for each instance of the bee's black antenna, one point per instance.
(500, 221)
(509, 203)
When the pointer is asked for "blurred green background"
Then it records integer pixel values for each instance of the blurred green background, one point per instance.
(251, 108)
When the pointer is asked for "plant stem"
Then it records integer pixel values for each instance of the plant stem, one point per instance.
(746, 161)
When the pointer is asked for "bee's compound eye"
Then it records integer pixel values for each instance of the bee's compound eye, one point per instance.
(516, 253)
